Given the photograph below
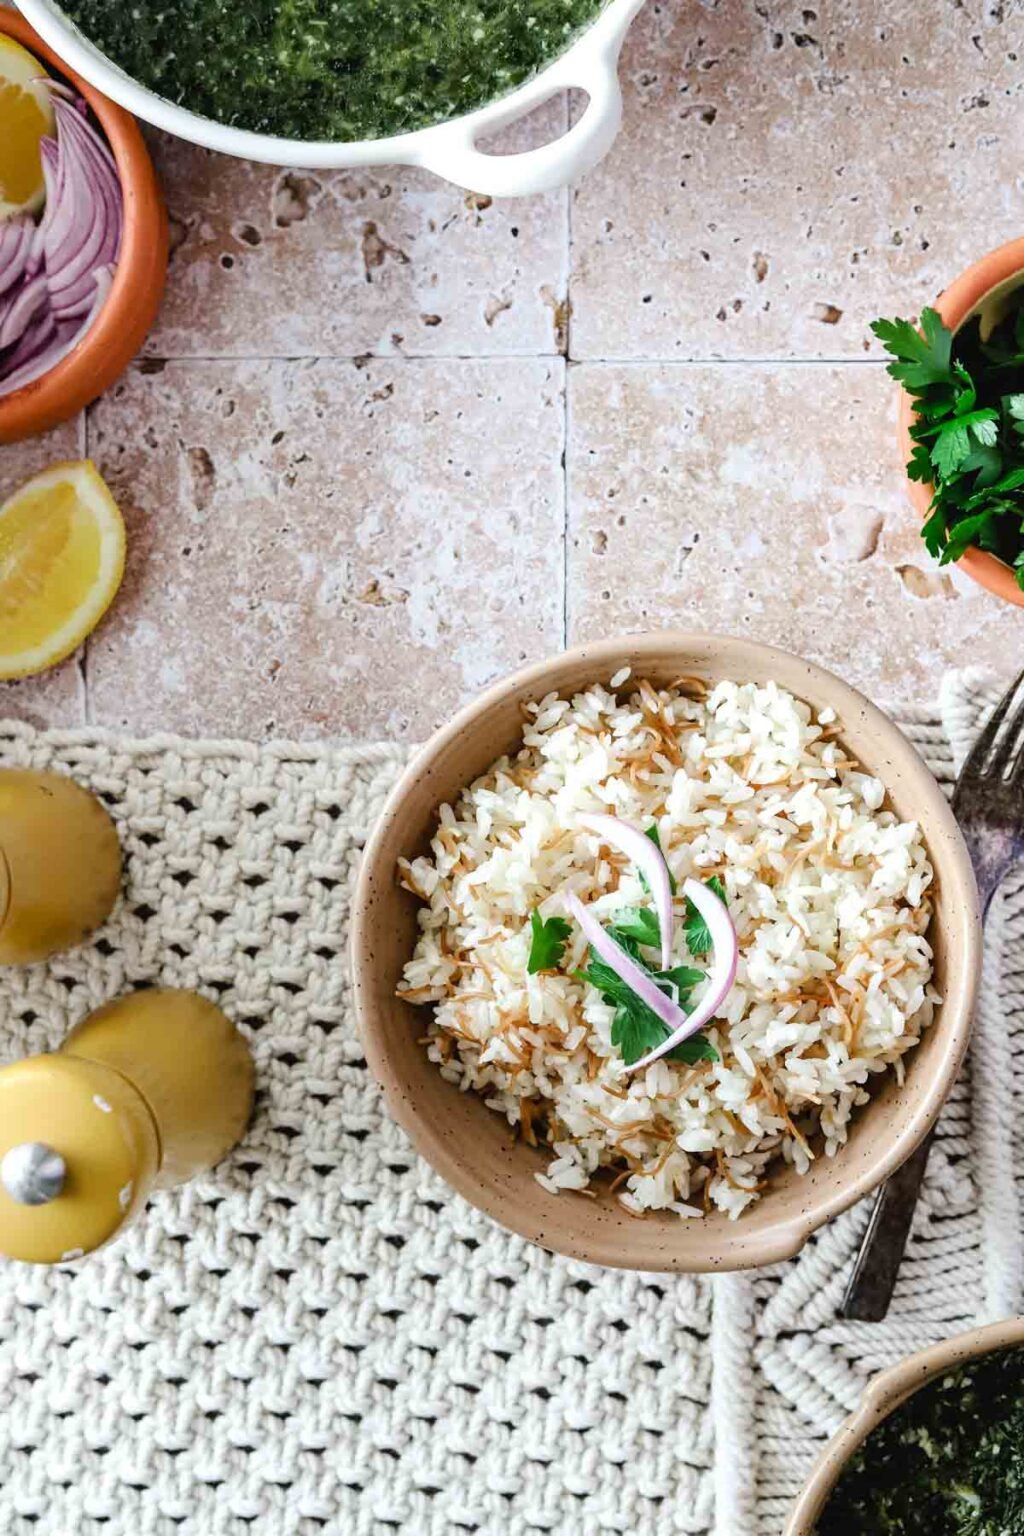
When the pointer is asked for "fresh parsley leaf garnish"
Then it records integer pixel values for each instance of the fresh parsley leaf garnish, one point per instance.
(637, 1029)
(697, 1048)
(968, 436)
(634, 1037)
(698, 939)
(547, 945)
(683, 977)
(639, 924)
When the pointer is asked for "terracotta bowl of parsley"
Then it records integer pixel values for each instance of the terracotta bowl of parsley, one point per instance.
(961, 425)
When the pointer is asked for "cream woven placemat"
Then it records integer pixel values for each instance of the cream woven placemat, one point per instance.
(319, 1336)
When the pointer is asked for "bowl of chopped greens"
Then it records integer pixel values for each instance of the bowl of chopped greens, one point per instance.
(339, 83)
(936, 1447)
(962, 419)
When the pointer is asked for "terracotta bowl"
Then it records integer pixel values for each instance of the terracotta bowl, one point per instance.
(121, 325)
(982, 287)
(476, 1150)
(883, 1396)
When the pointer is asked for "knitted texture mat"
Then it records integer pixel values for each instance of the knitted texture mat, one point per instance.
(318, 1336)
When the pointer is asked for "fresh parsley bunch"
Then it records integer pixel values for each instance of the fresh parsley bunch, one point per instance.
(969, 433)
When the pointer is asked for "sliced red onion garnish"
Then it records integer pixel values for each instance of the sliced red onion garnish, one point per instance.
(636, 979)
(649, 860)
(720, 977)
(55, 276)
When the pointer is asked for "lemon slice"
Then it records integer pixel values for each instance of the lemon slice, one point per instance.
(61, 562)
(26, 115)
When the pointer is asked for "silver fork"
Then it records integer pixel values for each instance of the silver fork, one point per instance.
(989, 804)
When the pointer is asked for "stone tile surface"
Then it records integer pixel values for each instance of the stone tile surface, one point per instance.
(56, 698)
(341, 547)
(321, 549)
(788, 171)
(381, 260)
(764, 502)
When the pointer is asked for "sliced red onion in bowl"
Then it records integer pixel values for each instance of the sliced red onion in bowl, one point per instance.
(55, 276)
(721, 976)
(649, 860)
(51, 340)
(16, 239)
(20, 307)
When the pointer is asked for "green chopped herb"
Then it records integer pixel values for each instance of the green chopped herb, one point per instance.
(635, 1036)
(698, 938)
(637, 1029)
(969, 433)
(639, 924)
(653, 834)
(547, 945)
(331, 69)
(947, 1462)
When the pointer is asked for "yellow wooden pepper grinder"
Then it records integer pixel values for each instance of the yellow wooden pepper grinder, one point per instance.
(146, 1092)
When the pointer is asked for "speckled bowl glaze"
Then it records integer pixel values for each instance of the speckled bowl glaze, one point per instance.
(982, 288)
(883, 1396)
(120, 328)
(476, 1150)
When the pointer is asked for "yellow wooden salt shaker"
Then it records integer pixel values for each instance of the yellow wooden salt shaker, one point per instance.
(60, 864)
(145, 1093)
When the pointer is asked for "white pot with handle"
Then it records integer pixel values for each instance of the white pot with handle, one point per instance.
(448, 149)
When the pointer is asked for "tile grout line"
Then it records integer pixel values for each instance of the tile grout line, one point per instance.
(504, 358)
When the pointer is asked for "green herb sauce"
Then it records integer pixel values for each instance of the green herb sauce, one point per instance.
(948, 1462)
(331, 69)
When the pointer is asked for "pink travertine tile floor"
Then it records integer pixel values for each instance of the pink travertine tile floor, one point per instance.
(389, 439)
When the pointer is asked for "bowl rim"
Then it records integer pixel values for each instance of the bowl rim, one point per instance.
(138, 283)
(882, 1396)
(731, 1249)
(954, 305)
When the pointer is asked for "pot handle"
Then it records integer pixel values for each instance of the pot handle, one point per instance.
(450, 150)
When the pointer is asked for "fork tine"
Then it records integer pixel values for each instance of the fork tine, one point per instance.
(1006, 754)
(987, 752)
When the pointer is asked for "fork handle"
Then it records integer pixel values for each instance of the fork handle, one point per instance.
(871, 1285)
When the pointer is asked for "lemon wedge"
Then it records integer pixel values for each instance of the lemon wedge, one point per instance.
(26, 116)
(61, 561)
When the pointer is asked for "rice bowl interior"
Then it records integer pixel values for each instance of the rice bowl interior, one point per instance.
(830, 891)
(484, 1159)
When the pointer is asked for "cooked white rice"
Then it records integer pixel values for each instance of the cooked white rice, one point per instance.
(826, 887)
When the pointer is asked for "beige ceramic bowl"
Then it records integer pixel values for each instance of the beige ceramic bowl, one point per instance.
(883, 1396)
(476, 1150)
